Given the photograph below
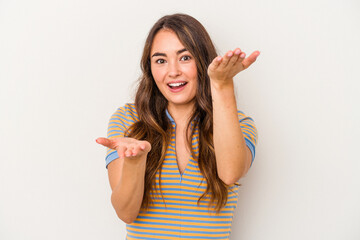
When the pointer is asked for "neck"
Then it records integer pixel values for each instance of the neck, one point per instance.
(181, 113)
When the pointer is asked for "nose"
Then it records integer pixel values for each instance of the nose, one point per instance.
(174, 69)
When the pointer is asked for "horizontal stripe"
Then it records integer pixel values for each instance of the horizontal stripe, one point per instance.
(191, 200)
(172, 236)
(184, 209)
(182, 184)
(178, 229)
(167, 218)
(180, 204)
(131, 237)
(199, 216)
(187, 180)
(167, 222)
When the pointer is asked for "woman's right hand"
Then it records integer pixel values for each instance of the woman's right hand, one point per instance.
(126, 147)
(127, 175)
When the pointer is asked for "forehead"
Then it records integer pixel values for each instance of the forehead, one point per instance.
(166, 41)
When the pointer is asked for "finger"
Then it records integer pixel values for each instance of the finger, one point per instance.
(241, 57)
(226, 59)
(129, 151)
(105, 142)
(235, 57)
(215, 63)
(146, 146)
(137, 149)
(237, 51)
(121, 151)
(250, 60)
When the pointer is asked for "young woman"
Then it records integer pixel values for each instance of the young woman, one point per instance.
(175, 155)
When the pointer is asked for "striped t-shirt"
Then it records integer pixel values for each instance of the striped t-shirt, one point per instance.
(178, 216)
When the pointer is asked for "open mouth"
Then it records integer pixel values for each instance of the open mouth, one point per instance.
(177, 85)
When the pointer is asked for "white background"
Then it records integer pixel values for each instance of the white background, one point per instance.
(65, 66)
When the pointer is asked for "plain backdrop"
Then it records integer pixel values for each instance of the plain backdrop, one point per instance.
(66, 66)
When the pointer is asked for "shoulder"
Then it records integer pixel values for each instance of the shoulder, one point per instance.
(123, 117)
(248, 127)
(126, 113)
(242, 116)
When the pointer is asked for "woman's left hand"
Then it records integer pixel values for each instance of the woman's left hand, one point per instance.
(223, 69)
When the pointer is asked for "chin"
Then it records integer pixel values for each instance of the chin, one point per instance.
(182, 103)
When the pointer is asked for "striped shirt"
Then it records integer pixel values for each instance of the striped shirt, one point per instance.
(178, 216)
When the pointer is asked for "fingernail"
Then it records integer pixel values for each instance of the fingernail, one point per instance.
(242, 55)
(237, 52)
(218, 59)
(230, 54)
(142, 147)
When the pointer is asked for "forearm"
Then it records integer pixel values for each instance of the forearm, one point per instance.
(127, 196)
(229, 142)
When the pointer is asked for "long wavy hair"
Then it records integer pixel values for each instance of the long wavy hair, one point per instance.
(154, 126)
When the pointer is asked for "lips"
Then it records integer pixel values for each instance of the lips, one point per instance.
(176, 86)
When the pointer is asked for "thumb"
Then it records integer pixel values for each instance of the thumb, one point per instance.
(251, 59)
(105, 142)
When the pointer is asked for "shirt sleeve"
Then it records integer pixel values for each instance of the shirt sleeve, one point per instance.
(250, 132)
(119, 123)
(116, 128)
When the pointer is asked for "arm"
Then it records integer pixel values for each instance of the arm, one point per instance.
(126, 175)
(233, 157)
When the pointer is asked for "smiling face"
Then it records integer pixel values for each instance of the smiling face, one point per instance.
(173, 69)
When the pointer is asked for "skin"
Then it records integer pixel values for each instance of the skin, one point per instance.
(171, 63)
(233, 157)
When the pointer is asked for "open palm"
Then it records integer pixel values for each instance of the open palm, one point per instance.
(126, 147)
(223, 69)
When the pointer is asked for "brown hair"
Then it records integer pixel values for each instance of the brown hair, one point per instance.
(154, 126)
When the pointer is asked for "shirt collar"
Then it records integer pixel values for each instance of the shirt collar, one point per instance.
(169, 116)
(173, 121)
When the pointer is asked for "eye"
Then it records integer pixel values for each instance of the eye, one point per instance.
(185, 58)
(160, 61)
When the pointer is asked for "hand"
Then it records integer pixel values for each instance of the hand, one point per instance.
(223, 69)
(126, 147)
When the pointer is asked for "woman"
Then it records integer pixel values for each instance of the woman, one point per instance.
(175, 155)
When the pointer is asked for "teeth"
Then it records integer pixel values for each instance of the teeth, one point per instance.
(176, 84)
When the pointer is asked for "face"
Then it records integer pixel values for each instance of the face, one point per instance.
(173, 69)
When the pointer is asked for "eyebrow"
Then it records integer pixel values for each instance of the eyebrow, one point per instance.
(164, 55)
